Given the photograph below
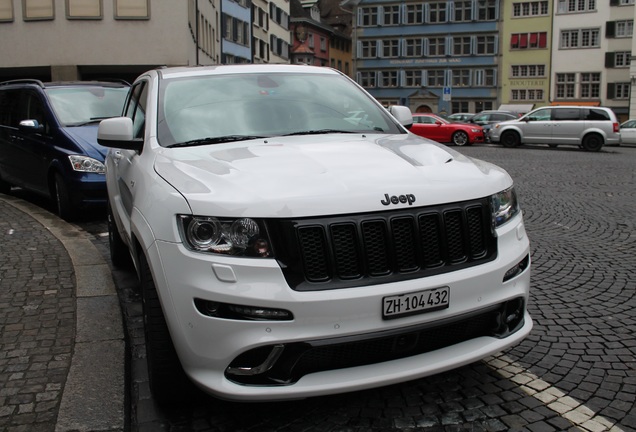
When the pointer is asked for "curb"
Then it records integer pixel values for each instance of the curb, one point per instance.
(93, 398)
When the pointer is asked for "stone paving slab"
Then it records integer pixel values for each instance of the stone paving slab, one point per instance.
(62, 347)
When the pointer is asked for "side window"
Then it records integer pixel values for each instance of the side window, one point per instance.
(564, 114)
(34, 110)
(8, 108)
(597, 114)
(540, 115)
(136, 109)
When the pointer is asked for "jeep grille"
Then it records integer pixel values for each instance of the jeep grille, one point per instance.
(372, 248)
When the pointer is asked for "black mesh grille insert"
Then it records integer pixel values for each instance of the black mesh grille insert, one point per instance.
(354, 250)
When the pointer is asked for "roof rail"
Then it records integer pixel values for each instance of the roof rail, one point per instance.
(112, 80)
(23, 81)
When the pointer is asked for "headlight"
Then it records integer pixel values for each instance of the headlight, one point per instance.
(239, 237)
(504, 206)
(86, 164)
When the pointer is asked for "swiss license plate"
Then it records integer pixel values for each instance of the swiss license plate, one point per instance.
(415, 302)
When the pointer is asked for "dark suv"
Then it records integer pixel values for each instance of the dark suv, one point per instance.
(486, 119)
(48, 139)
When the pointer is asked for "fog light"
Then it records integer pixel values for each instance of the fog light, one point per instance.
(517, 269)
(241, 312)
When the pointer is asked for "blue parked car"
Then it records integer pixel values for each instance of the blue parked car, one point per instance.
(48, 139)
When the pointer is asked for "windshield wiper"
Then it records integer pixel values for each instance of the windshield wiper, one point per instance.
(319, 132)
(215, 140)
(91, 121)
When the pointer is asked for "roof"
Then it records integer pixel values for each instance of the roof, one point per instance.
(516, 108)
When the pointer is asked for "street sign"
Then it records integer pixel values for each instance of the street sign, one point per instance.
(447, 94)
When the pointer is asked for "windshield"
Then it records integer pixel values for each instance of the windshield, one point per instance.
(210, 109)
(76, 106)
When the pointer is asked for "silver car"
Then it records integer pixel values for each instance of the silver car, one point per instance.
(588, 127)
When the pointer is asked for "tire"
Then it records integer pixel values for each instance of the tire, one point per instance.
(168, 381)
(460, 138)
(510, 139)
(119, 253)
(63, 200)
(592, 142)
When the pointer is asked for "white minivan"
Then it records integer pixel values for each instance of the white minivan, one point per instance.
(588, 127)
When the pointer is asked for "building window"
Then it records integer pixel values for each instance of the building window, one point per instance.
(530, 9)
(6, 10)
(436, 78)
(573, 6)
(581, 38)
(461, 45)
(391, 15)
(625, 2)
(132, 9)
(323, 44)
(412, 78)
(368, 16)
(369, 49)
(463, 10)
(590, 85)
(367, 79)
(460, 107)
(485, 78)
(618, 90)
(415, 13)
(529, 40)
(565, 83)
(624, 28)
(486, 45)
(461, 77)
(527, 95)
(437, 47)
(227, 27)
(620, 59)
(413, 47)
(528, 71)
(389, 78)
(487, 10)
(38, 10)
(391, 48)
(437, 12)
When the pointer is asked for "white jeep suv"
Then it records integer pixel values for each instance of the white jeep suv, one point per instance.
(287, 249)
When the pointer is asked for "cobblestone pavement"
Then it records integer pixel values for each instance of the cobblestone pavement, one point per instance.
(575, 372)
(37, 323)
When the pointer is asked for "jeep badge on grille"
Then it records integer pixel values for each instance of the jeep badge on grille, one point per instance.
(408, 198)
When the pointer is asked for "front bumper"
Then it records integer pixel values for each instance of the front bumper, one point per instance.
(328, 323)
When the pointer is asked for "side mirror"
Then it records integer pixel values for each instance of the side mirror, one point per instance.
(402, 114)
(117, 132)
(30, 125)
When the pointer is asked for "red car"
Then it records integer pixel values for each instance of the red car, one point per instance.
(440, 130)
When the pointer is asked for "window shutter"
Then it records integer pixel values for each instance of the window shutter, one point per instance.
(611, 90)
(610, 29)
(614, 2)
(609, 60)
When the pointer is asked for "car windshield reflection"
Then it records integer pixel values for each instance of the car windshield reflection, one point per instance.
(265, 105)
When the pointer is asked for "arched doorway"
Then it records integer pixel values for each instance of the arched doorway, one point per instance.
(423, 109)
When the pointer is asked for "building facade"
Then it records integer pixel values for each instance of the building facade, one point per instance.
(433, 56)
(526, 38)
(88, 39)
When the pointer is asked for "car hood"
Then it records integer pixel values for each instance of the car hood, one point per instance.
(324, 174)
(86, 138)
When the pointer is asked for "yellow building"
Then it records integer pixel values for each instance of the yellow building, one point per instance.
(525, 40)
